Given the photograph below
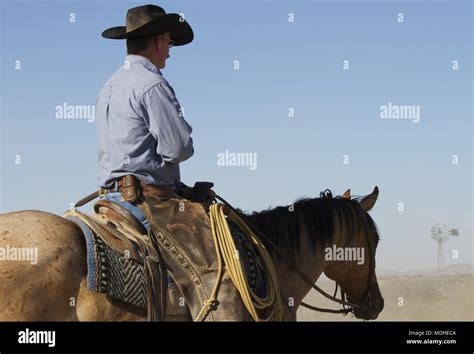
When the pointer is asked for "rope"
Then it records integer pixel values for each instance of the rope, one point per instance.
(212, 301)
(227, 254)
(295, 267)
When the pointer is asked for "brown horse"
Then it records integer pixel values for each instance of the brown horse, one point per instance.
(314, 233)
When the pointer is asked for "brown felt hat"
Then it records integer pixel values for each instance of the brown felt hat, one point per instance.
(151, 19)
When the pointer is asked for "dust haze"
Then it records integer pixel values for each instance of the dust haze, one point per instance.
(412, 296)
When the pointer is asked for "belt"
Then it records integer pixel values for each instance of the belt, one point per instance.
(159, 190)
(130, 187)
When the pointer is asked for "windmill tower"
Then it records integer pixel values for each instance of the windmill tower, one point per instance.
(440, 232)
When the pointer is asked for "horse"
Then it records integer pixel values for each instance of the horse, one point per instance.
(54, 288)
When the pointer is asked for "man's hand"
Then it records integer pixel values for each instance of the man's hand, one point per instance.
(200, 193)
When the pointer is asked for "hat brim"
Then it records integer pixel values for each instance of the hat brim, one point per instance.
(180, 31)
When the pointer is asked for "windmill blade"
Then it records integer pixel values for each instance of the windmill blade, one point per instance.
(454, 232)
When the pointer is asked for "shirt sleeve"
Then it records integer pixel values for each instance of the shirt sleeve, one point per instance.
(163, 117)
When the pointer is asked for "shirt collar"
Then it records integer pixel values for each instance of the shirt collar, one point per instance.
(138, 59)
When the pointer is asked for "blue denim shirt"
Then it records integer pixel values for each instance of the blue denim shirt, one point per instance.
(140, 126)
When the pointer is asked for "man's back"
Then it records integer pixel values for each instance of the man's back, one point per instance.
(140, 127)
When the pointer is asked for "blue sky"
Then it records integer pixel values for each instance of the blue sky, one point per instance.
(282, 64)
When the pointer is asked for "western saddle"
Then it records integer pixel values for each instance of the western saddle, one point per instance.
(122, 232)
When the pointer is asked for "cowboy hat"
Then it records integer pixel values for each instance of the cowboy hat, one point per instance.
(150, 19)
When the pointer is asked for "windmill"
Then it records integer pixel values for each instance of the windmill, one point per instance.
(440, 232)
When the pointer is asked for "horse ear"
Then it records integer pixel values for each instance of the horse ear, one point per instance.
(369, 201)
(347, 194)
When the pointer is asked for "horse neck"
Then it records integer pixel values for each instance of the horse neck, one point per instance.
(309, 259)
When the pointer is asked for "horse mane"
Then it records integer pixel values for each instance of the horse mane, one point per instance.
(315, 217)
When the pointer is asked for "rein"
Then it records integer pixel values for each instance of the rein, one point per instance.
(298, 271)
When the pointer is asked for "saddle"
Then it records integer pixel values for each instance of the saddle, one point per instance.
(137, 266)
(127, 266)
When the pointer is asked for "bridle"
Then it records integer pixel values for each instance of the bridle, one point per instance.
(347, 305)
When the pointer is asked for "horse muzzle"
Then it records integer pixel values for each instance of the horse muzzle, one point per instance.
(369, 307)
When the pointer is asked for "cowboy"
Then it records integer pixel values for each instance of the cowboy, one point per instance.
(142, 139)
(142, 134)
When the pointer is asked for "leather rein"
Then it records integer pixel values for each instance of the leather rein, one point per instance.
(350, 306)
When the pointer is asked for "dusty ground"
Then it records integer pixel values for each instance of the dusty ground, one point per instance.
(426, 296)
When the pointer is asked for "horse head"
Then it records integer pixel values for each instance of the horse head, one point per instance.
(357, 277)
